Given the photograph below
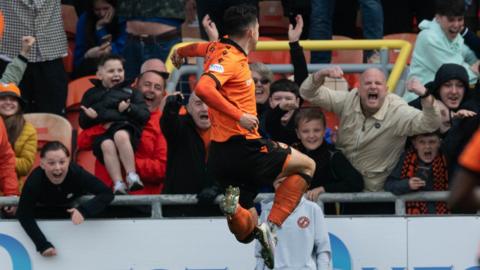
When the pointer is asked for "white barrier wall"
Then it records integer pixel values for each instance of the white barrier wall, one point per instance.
(394, 243)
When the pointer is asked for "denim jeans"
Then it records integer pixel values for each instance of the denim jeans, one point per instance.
(136, 52)
(321, 23)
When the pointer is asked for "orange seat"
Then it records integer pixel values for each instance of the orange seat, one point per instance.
(348, 57)
(269, 57)
(76, 89)
(393, 54)
(50, 127)
(70, 19)
(271, 19)
(86, 159)
(68, 60)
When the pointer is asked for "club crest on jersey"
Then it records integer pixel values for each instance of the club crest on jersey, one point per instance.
(303, 222)
(216, 68)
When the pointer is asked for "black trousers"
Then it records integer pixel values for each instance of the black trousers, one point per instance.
(44, 86)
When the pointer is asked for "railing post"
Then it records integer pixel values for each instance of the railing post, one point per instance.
(384, 60)
(200, 61)
(400, 207)
(157, 210)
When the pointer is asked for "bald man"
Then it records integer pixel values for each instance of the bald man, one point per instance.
(153, 64)
(374, 124)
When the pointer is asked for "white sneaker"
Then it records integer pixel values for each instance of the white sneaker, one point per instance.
(229, 201)
(119, 188)
(134, 182)
(267, 240)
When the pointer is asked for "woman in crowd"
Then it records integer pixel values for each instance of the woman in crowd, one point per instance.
(99, 33)
(21, 134)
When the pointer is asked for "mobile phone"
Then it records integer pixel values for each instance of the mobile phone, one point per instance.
(106, 39)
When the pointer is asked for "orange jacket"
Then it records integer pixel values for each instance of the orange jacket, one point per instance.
(150, 155)
(8, 176)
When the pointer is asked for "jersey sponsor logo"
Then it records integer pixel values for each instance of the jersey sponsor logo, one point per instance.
(216, 68)
(303, 222)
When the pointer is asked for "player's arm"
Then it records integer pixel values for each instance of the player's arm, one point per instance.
(192, 50)
(463, 196)
(207, 91)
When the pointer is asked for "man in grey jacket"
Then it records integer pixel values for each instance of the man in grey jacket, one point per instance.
(374, 124)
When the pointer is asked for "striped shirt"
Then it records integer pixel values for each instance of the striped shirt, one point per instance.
(39, 18)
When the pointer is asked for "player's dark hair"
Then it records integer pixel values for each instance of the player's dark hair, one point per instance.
(450, 7)
(309, 114)
(53, 146)
(238, 18)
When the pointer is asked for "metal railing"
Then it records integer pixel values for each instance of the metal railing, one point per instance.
(382, 45)
(156, 201)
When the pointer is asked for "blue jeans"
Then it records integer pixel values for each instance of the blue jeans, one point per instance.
(136, 52)
(321, 23)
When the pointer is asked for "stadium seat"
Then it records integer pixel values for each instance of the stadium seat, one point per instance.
(86, 159)
(348, 57)
(50, 127)
(393, 54)
(76, 89)
(70, 18)
(269, 57)
(271, 19)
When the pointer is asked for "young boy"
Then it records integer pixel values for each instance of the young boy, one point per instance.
(284, 102)
(302, 241)
(333, 172)
(122, 113)
(422, 167)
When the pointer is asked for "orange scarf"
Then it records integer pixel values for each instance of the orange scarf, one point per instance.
(440, 182)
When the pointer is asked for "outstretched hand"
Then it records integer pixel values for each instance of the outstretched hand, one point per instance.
(177, 60)
(91, 113)
(49, 252)
(294, 33)
(332, 72)
(76, 216)
(210, 28)
(27, 43)
(248, 121)
(415, 86)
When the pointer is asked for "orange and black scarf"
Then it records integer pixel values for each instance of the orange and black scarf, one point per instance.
(440, 182)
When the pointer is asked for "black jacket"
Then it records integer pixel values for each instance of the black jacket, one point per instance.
(105, 103)
(186, 153)
(455, 139)
(38, 189)
(186, 164)
(332, 171)
(276, 130)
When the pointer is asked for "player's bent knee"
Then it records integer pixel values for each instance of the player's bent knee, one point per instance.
(247, 239)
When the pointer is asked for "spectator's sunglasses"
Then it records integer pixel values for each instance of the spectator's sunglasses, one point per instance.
(262, 81)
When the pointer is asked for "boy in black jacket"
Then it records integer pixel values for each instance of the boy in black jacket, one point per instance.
(57, 182)
(122, 112)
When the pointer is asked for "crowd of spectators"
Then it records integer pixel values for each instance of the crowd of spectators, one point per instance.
(147, 141)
